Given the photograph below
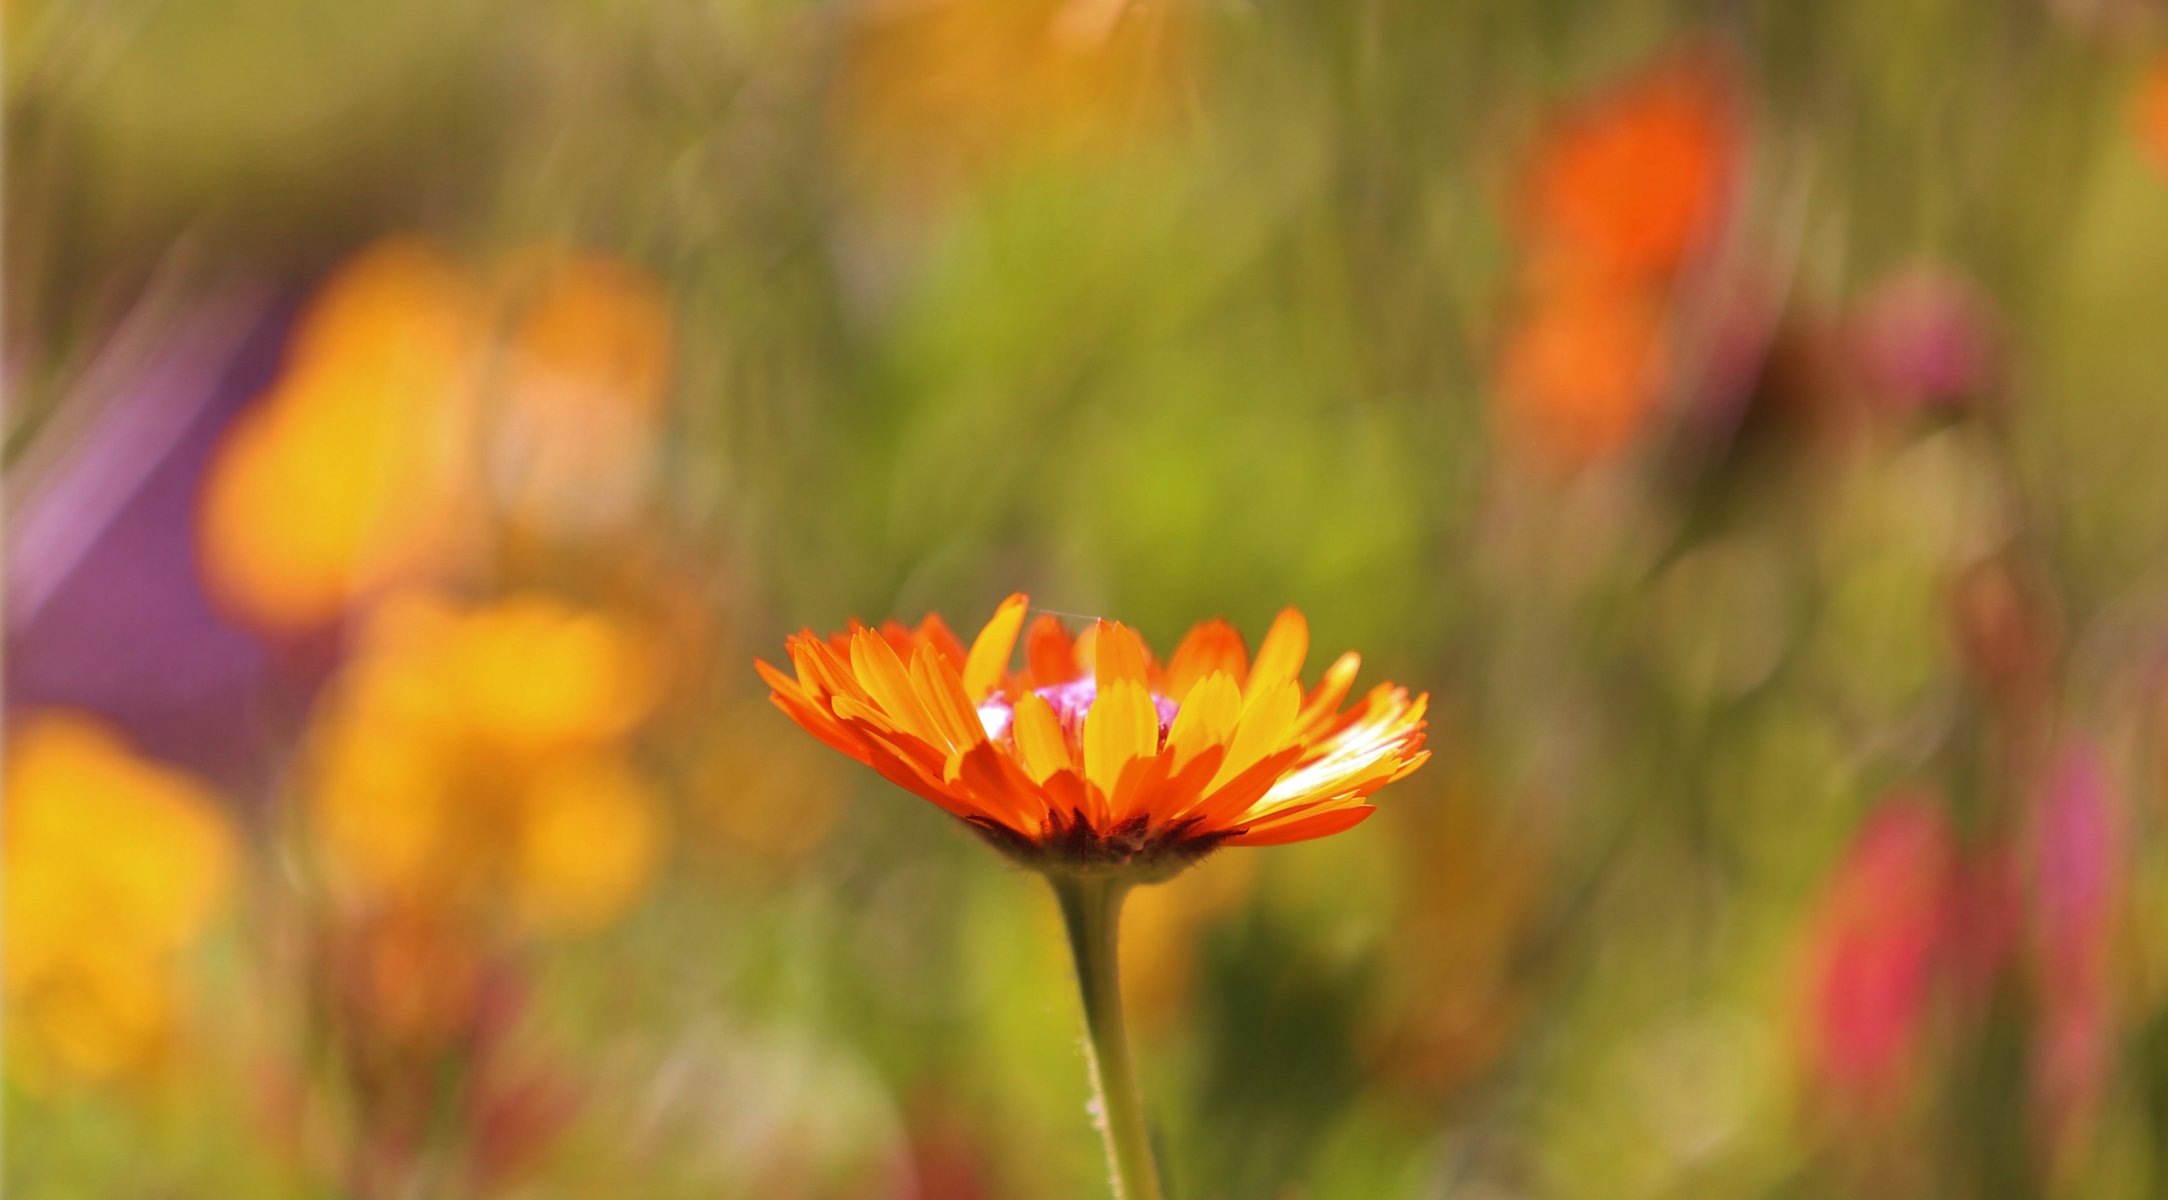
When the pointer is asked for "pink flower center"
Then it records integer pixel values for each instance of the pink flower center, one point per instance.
(1070, 701)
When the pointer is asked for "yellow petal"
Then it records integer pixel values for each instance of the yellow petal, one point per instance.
(1267, 722)
(1206, 718)
(954, 716)
(989, 658)
(1121, 727)
(1040, 744)
(883, 676)
(1325, 701)
(1280, 658)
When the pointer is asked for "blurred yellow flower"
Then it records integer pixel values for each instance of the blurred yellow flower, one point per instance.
(1159, 937)
(114, 864)
(341, 480)
(764, 803)
(479, 759)
(415, 403)
(575, 408)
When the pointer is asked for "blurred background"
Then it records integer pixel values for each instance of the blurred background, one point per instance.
(1745, 419)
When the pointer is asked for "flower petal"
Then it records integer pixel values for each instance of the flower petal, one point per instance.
(882, 674)
(1041, 746)
(1303, 829)
(954, 716)
(1121, 727)
(1050, 654)
(1213, 646)
(1120, 657)
(1206, 719)
(1279, 659)
(988, 663)
(1331, 691)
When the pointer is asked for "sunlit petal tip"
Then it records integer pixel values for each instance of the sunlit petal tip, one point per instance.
(1303, 829)
(1280, 656)
(1120, 656)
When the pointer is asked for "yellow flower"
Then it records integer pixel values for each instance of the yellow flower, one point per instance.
(479, 759)
(573, 417)
(340, 481)
(114, 865)
(413, 405)
(1095, 757)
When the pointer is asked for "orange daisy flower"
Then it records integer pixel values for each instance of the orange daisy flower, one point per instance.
(1095, 756)
(1633, 179)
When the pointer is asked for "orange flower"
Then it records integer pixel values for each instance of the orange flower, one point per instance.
(1096, 758)
(932, 92)
(2152, 113)
(1631, 181)
(1581, 375)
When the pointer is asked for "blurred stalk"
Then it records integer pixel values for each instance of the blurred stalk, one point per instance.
(1091, 907)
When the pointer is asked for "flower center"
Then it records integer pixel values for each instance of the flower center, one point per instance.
(1070, 701)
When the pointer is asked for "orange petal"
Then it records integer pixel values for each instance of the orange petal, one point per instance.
(993, 779)
(819, 724)
(1050, 653)
(776, 680)
(989, 660)
(1212, 646)
(1226, 803)
(906, 761)
(935, 632)
(1185, 790)
(1067, 794)
(1120, 657)
(820, 664)
(1303, 829)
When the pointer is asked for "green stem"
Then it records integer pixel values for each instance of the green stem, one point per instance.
(1091, 905)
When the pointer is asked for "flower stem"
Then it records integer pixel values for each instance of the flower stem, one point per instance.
(1091, 906)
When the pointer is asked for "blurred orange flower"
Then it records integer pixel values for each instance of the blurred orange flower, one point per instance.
(931, 90)
(1617, 195)
(1581, 375)
(2152, 113)
(1631, 180)
(479, 759)
(1095, 755)
(114, 865)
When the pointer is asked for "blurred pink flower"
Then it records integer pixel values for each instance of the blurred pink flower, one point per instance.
(1924, 340)
(2077, 876)
(1876, 942)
